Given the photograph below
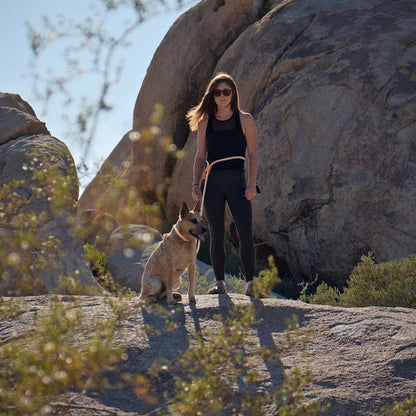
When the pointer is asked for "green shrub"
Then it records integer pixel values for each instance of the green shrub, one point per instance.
(405, 408)
(384, 284)
(267, 279)
(391, 283)
(96, 259)
(324, 295)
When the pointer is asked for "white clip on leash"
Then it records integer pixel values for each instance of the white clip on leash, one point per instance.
(206, 175)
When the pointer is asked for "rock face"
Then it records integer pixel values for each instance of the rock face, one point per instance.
(330, 85)
(128, 249)
(97, 228)
(361, 359)
(18, 118)
(26, 147)
(175, 81)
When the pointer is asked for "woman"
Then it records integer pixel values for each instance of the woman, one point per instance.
(226, 131)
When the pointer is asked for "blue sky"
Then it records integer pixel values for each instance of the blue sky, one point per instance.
(15, 68)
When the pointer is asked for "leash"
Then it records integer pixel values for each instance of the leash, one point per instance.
(208, 171)
(206, 175)
(179, 234)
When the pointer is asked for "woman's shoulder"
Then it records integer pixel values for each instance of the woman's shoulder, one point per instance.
(202, 124)
(246, 118)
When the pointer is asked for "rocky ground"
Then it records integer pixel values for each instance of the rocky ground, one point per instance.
(361, 358)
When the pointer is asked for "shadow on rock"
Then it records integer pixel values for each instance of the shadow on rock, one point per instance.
(132, 389)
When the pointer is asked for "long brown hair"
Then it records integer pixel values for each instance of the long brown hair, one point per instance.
(207, 106)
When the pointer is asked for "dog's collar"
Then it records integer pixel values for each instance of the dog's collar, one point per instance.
(179, 234)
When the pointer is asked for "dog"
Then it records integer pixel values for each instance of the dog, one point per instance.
(175, 254)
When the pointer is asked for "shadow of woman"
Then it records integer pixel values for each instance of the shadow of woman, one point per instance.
(266, 341)
(270, 321)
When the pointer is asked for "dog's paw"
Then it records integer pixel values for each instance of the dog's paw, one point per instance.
(177, 296)
(192, 298)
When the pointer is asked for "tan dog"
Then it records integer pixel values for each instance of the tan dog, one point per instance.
(175, 254)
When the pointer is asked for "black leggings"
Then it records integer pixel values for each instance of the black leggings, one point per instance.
(228, 186)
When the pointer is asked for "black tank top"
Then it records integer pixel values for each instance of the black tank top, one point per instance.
(225, 139)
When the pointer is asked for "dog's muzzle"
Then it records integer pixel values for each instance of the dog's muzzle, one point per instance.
(200, 235)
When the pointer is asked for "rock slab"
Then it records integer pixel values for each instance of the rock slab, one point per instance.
(361, 359)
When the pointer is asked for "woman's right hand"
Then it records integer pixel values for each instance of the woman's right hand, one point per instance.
(196, 192)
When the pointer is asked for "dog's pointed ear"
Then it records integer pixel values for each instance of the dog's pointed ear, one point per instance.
(184, 210)
(197, 206)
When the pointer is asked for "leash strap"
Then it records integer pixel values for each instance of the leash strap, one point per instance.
(206, 175)
(208, 171)
(180, 235)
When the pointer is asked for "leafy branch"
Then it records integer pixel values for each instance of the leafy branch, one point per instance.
(91, 54)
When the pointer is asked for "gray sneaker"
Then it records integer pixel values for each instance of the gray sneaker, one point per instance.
(249, 289)
(218, 288)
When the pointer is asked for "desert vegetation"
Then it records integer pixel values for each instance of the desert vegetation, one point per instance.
(69, 351)
(391, 283)
(65, 350)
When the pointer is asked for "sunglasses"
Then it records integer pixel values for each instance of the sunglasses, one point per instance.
(227, 92)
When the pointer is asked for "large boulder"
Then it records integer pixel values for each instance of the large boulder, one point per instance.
(330, 85)
(129, 247)
(39, 244)
(175, 79)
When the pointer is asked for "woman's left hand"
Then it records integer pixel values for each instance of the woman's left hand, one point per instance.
(250, 192)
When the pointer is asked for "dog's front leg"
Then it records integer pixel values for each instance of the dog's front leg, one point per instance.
(191, 278)
(169, 292)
